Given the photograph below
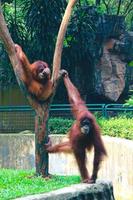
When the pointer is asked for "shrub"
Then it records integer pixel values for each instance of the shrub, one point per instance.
(59, 125)
(116, 127)
(129, 102)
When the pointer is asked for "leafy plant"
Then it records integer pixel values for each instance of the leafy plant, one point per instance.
(59, 125)
(116, 127)
(129, 102)
(130, 64)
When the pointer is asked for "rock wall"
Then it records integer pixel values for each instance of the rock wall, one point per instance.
(110, 73)
(100, 69)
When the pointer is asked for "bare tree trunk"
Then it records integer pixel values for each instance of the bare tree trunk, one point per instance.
(41, 109)
(41, 137)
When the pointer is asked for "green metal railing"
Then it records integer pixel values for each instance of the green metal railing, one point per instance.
(19, 118)
(114, 109)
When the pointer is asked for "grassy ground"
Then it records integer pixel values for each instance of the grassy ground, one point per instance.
(16, 183)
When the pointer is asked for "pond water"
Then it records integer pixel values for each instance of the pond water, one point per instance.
(12, 96)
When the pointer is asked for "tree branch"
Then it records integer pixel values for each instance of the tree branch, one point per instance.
(10, 48)
(130, 10)
(119, 6)
(60, 39)
(128, 7)
(42, 109)
(106, 5)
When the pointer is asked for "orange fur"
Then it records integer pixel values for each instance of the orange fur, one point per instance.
(41, 89)
(79, 142)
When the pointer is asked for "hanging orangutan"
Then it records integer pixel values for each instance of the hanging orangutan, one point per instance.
(83, 135)
(36, 76)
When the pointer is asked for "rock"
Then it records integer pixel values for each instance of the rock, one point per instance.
(100, 72)
(102, 190)
(110, 73)
(124, 47)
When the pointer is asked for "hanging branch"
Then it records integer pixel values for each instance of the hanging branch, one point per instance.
(10, 49)
(106, 5)
(130, 10)
(60, 39)
(119, 7)
(128, 6)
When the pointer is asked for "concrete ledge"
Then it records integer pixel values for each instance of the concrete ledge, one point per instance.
(102, 190)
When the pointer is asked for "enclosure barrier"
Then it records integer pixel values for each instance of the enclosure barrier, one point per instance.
(14, 119)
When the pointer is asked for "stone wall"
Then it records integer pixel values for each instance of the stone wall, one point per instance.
(17, 151)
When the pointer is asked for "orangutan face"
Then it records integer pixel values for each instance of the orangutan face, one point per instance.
(41, 71)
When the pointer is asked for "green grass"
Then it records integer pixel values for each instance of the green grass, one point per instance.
(17, 183)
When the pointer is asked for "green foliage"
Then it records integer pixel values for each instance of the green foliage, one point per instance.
(121, 8)
(126, 114)
(116, 127)
(15, 20)
(130, 64)
(42, 21)
(59, 125)
(34, 25)
(7, 76)
(18, 32)
(129, 102)
(101, 9)
(16, 183)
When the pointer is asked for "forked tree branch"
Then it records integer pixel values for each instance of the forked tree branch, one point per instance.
(60, 39)
(10, 48)
(42, 110)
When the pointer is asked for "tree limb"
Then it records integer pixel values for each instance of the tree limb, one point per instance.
(106, 5)
(119, 6)
(10, 48)
(42, 109)
(130, 10)
(60, 39)
(128, 7)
